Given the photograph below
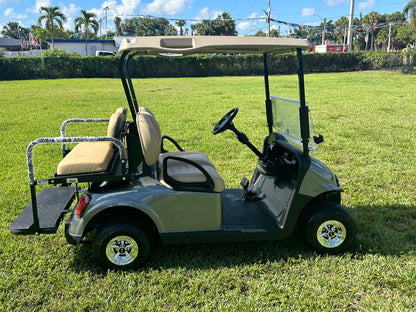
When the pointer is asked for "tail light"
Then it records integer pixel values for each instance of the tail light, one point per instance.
(82, 205)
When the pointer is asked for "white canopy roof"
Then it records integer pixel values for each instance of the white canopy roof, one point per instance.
(185, 45)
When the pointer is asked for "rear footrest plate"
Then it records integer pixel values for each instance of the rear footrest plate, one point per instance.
(51, 203)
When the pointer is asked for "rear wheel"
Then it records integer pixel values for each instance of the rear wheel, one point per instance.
(121, 245)
(330, 230)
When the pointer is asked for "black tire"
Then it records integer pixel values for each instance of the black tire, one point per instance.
(121, 245)
(331, 229)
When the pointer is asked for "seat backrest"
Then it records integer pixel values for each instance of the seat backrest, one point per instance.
(149, 135)
(116, 123)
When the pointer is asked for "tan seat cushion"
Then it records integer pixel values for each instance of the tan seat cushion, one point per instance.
(150, 137)
(86, 157)
(91, 157)
(115, 125)
(198, 157)
(186, 173)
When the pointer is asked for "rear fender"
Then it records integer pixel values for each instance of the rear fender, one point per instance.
(104, 209)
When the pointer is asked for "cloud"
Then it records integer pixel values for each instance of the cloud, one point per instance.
(308, 12)
(38, 5)
(126, 8)
(334, 3)
(207, 14)
(244, 26)
(248, 25)
(71, 11)
(10, 13)
(169, 7)
(364, 6)
(5, 1)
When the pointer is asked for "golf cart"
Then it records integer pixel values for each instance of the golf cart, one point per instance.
(138, 193)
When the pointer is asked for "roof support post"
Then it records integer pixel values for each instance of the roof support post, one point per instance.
(127, 84)
(303, 110)
(269, 111)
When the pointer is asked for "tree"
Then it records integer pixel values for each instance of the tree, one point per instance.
(180, 23)
(146, 26)
(409, 10)
(117, 22)
(85, 21)
(372, 19)
(41, 34)
(11, 30)
(224, 25)
(383, 35)
(342, 27)
(52, 15)
(402, 36)
(260, 33)
(193, 29)
(274, 32)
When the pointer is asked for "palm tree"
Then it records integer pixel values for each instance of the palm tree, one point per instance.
(372, 19)
(86, 21)
(409, 10)
(193, 29)
(180, 23)
(11, 30)
(52, 15)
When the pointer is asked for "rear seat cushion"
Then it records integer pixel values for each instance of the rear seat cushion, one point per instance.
(114, 125)
(92, 157)
(86, 157)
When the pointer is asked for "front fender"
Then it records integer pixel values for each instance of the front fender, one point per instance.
(318, 180)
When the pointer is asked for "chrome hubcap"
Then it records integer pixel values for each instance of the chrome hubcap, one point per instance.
(331, 234)
(122, 250)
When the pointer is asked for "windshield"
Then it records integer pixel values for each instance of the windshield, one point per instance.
(286, 121)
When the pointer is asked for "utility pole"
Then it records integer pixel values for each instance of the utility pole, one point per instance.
(100, 21)
(106, 13)
(388, 46)
(323, 33)
(268, 20)
(350, 24)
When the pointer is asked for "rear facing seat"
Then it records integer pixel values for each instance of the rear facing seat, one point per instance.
(92, 157)
(177, 170)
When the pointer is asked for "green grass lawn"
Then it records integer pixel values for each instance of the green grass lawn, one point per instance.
(369, 125)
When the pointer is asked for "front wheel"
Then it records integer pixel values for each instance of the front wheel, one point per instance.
(121, 245)
(330, 230)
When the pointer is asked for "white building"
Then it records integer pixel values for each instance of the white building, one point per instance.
(78, 45)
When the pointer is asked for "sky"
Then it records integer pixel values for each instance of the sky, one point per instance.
(246, 12)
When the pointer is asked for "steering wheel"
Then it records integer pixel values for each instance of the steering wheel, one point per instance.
(225, 121)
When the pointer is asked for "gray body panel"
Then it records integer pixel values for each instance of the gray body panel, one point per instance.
(318, 180)
(169, 210)
(179, 212)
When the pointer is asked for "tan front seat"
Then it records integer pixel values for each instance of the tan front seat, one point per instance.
(177, 170)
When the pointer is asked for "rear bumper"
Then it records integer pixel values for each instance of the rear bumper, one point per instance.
(71, 238)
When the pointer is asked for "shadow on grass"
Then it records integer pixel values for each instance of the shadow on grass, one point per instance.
(384, 230)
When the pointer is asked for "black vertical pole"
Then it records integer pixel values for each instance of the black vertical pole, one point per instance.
(303, 110)
(123, 75)
(269, 112)
(34, 209)
(133, 95)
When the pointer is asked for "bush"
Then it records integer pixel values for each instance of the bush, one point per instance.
(60, 64)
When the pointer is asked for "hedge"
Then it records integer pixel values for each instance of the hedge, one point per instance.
(72, 66)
